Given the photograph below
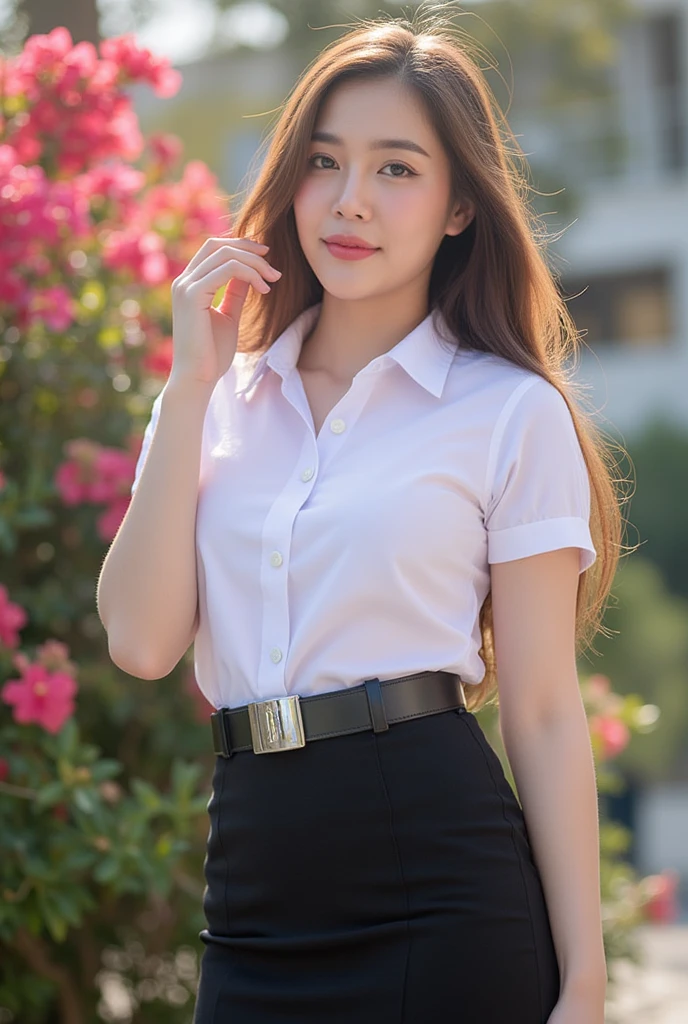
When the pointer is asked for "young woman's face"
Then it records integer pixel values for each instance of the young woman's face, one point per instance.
(397, 199)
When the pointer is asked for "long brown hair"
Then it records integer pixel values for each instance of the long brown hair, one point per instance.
(491, 282)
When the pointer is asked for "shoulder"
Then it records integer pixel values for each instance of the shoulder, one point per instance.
(500, 388)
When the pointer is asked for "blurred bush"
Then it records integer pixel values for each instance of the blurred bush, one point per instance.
(104, 780)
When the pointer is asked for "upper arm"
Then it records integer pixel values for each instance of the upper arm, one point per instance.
(534, 623)
(539, 542)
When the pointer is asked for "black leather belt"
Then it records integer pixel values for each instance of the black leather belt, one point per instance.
(286, 723)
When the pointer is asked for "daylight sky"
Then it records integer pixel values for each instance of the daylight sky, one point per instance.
(182, 29)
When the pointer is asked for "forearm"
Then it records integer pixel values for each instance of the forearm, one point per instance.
(551, 759)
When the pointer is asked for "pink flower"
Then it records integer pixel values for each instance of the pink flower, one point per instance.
(110, 521)
(114, 181)
(166, 82)
(598, 685)
(662, 903)
(54, 655)
(159, 359)
(166, 148)
(93, 473)
(12, 619)
(73, 478)
(139, 64)
(114, 473)
(53, 306)
(40, 696)
(611, 734)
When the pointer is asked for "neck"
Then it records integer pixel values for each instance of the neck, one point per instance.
(350, 333)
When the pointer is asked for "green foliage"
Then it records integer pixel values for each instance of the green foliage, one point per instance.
(658, 508)
(648, 655)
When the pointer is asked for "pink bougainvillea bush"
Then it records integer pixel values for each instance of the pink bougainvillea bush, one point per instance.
(103, 778)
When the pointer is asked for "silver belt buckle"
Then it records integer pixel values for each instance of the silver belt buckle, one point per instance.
(276, 725)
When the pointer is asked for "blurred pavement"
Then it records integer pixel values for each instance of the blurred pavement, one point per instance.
(657, 991)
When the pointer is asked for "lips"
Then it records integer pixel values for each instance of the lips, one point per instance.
(350, 252)
(349, 241)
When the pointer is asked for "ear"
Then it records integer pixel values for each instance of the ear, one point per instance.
(460, 218)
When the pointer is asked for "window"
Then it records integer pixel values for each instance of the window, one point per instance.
(665, 37)
(631, 308)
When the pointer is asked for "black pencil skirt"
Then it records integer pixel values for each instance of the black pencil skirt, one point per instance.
(373, 879)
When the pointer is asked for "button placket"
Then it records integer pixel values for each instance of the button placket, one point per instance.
(276, 549)
(344, 416)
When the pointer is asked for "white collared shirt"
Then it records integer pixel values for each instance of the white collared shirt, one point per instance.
(365, 551)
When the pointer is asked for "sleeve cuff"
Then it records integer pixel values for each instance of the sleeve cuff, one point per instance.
(536, 538)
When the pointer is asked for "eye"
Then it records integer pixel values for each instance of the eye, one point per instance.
(408, 170)
(322, 156)
(319, 156)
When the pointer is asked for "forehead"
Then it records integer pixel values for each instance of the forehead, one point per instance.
(364, 109)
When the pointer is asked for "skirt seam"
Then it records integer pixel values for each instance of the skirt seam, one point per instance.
(518, 858)
(221, 845)
(401, 873)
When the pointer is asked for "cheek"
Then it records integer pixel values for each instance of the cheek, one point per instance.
(306, 197)
(417, 212)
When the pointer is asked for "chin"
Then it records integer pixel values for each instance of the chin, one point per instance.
(337, 291)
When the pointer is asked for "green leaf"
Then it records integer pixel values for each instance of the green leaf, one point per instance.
(78, 860)
(52, 918)
(33, 517)
(107, 870)
(56, 925)
(146, 794)
(51, 794)
(8, 537)
(106, 769)
(85, 800)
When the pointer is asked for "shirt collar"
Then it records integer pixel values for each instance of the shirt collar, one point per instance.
(421, 353)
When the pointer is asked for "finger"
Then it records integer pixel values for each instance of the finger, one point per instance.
(213, 244)
(224, 255)
(233, 298)
(209, 284)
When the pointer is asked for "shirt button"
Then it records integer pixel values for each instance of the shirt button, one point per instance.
(307, 473)
(276, 559)
(337, 426)
(275, 655)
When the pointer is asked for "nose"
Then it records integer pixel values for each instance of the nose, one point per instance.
(351, 202)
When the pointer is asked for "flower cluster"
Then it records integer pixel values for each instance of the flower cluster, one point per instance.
(91, 243)
(12, 618)
(45, 690)
(609, 732)
(186, 210)
(96, 474)
(69, 107)
(34, 214)
(69, 134)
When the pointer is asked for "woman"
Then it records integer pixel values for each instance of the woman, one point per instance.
(385, 493)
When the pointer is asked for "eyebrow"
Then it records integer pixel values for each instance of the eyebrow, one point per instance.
(335, 140)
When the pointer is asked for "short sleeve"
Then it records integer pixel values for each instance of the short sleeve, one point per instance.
(538, 489)
(147, 439)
